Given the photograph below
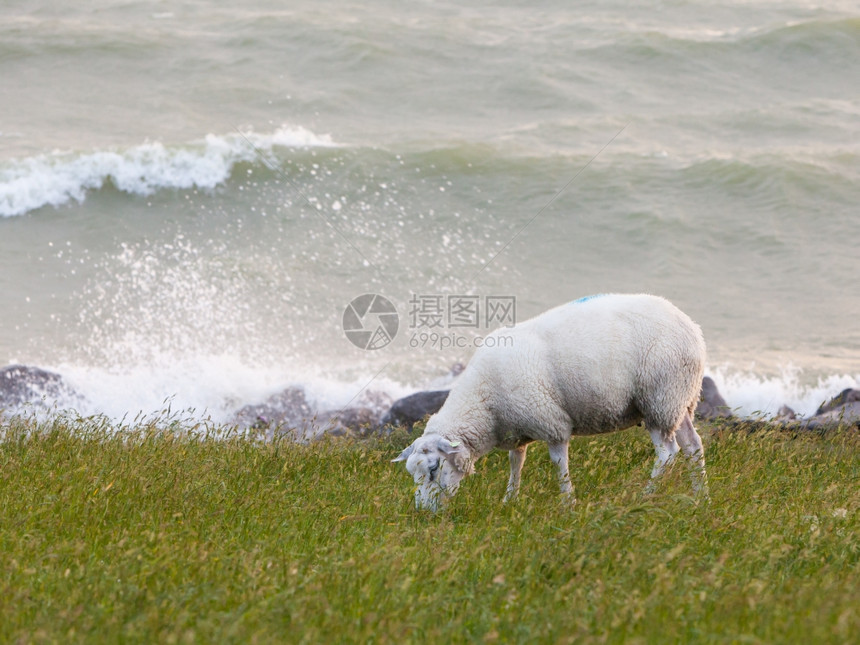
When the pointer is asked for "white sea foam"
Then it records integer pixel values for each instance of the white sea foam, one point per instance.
(751, 395)
(61, 177)
(178, 325)
(215, 387)
(204, 387)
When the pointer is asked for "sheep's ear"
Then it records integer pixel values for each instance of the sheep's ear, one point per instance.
(403, 456)
(457, 454)
(450, 447)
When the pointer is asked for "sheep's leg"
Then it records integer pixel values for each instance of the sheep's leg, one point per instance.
(691, 444)
(558, 455)
(517, 457)
(666, 449)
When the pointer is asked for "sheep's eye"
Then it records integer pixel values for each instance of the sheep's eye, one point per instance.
(433, 468)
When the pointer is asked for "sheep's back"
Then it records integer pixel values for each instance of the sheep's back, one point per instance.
(593, 366)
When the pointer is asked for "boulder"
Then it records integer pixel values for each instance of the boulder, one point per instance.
(288, 408)
(290, 413)
(842, 409)
(361, 418)
(845, 397)
(785, 414)
(357, 422)
(22, 386)
(712, 405)
(412, 408)
(375, 401)
(845, 414)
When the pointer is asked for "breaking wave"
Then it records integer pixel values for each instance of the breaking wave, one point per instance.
(58, 178)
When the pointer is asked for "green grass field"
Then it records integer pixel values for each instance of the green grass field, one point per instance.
(148, 534)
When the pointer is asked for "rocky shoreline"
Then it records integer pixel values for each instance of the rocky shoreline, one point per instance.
(290, 413)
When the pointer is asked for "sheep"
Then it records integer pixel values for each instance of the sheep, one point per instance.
(595, 365)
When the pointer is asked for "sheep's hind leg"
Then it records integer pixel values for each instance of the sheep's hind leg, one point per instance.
(666, 450)
(517, 457)
(558, 455)
(691, 444)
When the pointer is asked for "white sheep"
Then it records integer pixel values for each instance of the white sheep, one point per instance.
(595, 365)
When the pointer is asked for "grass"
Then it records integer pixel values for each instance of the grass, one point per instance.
(165, 534)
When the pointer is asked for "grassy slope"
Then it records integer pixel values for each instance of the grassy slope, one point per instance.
(153, 535)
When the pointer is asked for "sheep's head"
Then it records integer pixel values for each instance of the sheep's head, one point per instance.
(438, 466)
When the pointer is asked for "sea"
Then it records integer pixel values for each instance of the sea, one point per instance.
(203, 203)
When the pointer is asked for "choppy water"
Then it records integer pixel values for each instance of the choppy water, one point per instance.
(191, 194)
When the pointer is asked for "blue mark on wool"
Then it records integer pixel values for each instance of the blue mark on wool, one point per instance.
(587, 298)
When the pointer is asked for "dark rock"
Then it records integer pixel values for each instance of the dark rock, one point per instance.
(712, 405)
(841, 410)
(290, 413)
(412, 408)
(360, 419)
(376, 402)
(21, 386)
(845, 414)
(785, 414)
(289, 408)
(846, 396)
(356, 422)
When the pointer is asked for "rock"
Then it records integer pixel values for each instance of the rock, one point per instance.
(412, 408)
(376, 402)
(785, 414)
(712, 405)
(846, 396)
(289, 408)
(842, 409)
(845, 414)
(358, 422)
(21, 386)
(360, 419)
(290, 413)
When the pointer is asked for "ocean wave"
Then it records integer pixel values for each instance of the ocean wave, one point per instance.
(802, 32)
(203, 387)
(818, 43)
(58, 178)
(806, 36)
(767, 175)
(216, 386)
(751, 394)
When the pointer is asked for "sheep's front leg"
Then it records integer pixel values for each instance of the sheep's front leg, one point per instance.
(518, 458)
(558, 455)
